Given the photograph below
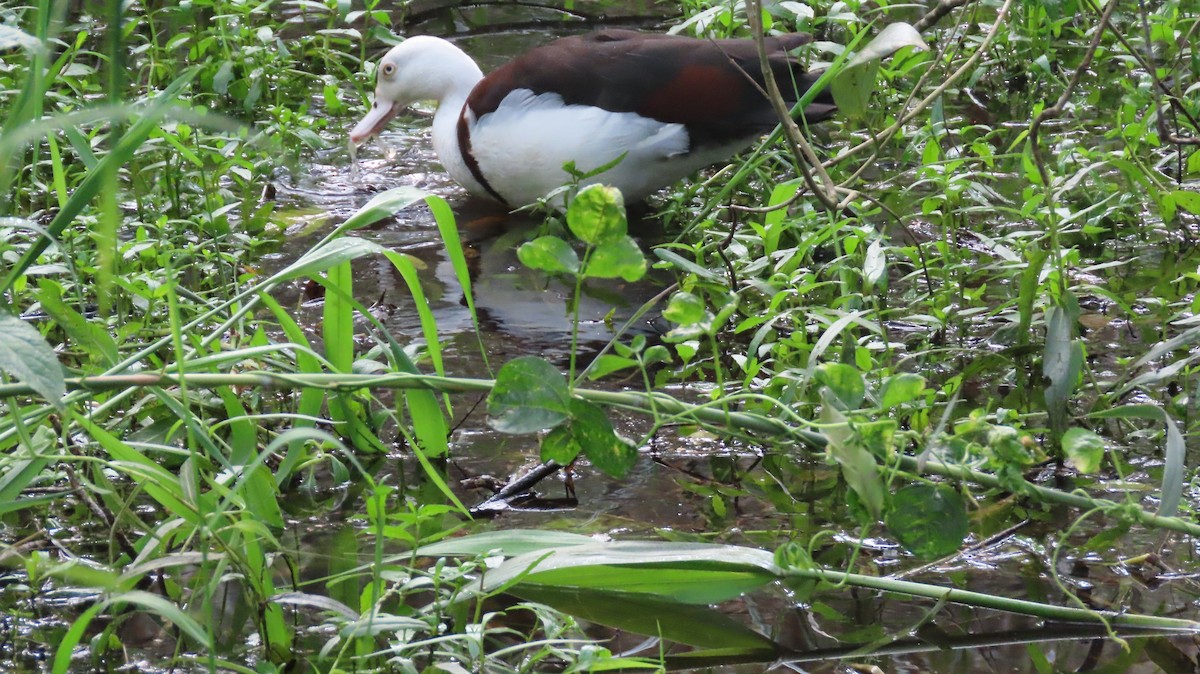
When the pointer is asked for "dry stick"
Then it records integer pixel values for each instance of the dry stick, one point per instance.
(934, 95)
(799, 146)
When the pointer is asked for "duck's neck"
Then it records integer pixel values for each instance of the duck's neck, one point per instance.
(462, 77)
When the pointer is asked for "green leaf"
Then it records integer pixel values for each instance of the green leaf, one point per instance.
(510, 543)
(857, 463)
(901, 388)
(601, 445)
(1188, 200)
(597, 214)
(327, 255)
(894, 37)
(530, 395)
(690, 573)
(382, 205)
(684, 308)
(25, 467)
(852, 89)
(26, 356)
(929, 520)
(560, 445)
(149, 602)
(617, 258)
(1193, 163)
(853, 85)
(1062, 364)
(261, 496)
(549, 254)
(588, 431)
(92, 337)
(653, 616)
(844, 381)
(1084, 449)
(1174, 463)
(607, 364)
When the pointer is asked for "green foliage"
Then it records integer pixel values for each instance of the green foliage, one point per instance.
(986, 295)
(929, 520)
(530, 395)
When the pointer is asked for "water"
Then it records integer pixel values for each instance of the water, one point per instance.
(688, 486)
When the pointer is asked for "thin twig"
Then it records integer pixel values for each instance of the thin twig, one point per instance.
(805, 156)
(938, 13)
(934, 95)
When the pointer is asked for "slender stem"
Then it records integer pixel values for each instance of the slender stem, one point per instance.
(659, 403)
(1033, 608)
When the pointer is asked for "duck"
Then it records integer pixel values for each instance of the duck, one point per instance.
(650, 109)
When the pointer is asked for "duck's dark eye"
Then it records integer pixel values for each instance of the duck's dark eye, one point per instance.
(388, 69)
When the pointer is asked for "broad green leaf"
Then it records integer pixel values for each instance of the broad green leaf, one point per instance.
(852, 86)
(27, 357)
(901, 388)
(333, 252)
(1188, 200)
(589, 432)
(852, 89)
(1173, 469)
(857, 463)
(381, 206)
(1062, 364)
(1084, 449)
(597, 214)
(560, 445)
(619, 257)
(844, 381)
(549, 254)
(260, 494)
(530, 395)
(893, 38)
(684, 308)
(23, 468)
(696, 573)
(929, 520)
(602, 446)
(510, 543)
(607, 364)
(653, 616)
(1193, 163)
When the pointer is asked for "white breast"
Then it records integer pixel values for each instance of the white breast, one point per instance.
(522, 146)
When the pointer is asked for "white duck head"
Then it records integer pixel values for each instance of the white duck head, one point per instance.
(421, 68)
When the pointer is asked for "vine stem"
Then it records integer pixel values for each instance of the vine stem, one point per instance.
(658, 403)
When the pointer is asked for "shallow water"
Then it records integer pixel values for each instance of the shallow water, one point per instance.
(687, 486)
